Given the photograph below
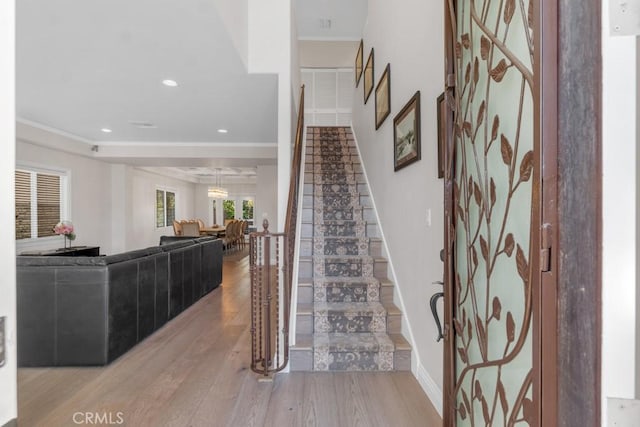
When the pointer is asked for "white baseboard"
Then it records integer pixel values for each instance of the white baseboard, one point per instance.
(431, 388)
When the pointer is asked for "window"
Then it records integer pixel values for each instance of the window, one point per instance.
(40, 203)
(165, 208)
(328, 96)
(247, 210)
(229, 208)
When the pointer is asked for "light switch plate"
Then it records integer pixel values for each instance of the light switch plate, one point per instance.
(2, 340)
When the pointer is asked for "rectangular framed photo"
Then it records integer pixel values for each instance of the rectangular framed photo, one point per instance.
(358, 64)
(406, 134)
(368, 77)
(383, 96)
(441, 109)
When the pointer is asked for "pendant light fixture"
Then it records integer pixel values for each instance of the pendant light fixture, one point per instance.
(218, 192)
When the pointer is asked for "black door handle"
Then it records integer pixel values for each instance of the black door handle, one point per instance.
(433, 303)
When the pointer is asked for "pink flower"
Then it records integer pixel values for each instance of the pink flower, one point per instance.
(63, 227)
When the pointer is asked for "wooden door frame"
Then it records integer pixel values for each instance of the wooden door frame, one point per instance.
(567, 325)
(579, 212)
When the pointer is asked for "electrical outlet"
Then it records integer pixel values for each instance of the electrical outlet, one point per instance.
(2, 340)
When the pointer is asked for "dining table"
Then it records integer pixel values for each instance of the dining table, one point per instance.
(218, 230)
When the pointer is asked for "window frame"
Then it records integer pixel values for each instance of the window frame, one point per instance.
(164, 190)
(65, 197)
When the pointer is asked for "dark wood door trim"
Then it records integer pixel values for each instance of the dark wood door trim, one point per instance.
(545, 331)
(579, 211)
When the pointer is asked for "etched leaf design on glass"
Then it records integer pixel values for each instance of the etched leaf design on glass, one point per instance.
(466, 41)
(509, 10)
(495, 127)
(526, 166)
(480, 114)
(503, 397)
(484, 248)
(509, 244)
(497, 308)
(492, 183)
(511, 328)
(485, 45)
(498, 72)
(506, 150)
(523, 265)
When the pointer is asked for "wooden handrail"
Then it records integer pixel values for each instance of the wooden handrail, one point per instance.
(266, 355)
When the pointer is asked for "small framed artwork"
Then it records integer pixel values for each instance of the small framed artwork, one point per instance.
(368, 77)
(383, 96)
(358, 65)
(406, 134)
(441, 109)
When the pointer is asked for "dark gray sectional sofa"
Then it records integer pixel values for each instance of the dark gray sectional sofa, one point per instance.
(76, 311)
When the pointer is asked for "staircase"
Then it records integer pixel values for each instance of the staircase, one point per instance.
(346, 319)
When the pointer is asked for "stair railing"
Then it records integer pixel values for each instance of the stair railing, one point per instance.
(271, 260)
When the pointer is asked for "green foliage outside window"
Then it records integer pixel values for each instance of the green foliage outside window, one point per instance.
(247, 209)
(229, 208)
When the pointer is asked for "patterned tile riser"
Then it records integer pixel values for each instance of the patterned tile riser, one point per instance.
(341, 268)
(347, 201)
(346, 292)
(341, 246)
(349, 323)
(337, 214)
(346, 229)
(334, 168)
(334, 190)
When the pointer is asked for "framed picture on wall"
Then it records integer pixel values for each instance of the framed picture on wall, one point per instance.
(358, 65)
(383, 96)
(441, 109)
(368, 77)
(406, 134)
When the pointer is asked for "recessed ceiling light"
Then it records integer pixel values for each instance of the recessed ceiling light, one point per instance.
(106, 130)
(169, 82)
(222, 131)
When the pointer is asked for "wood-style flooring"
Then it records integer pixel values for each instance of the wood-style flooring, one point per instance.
(195, 372)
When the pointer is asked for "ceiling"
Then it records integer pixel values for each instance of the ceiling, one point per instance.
(330, 19)
(82, 66)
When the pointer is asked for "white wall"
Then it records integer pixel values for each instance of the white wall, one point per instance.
(637, 220)
(90, 194)
(619, 215)
(266, 196)
(8, 389)
(234, 17)
(112, 205)
(327, 54)
(271, 51)
(141, 202)
(416, 55)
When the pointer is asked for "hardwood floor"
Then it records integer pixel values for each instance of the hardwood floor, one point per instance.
(195, 372)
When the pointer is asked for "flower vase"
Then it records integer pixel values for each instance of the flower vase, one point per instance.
(66, 239)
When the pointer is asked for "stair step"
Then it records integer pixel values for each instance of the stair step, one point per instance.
(340, 229)
(330, 246)
(369, 266)
(357, 289)
(352, 352)
(302, 352)
(343, 266)
(349, 317)
(341, 246)
(346, 318)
